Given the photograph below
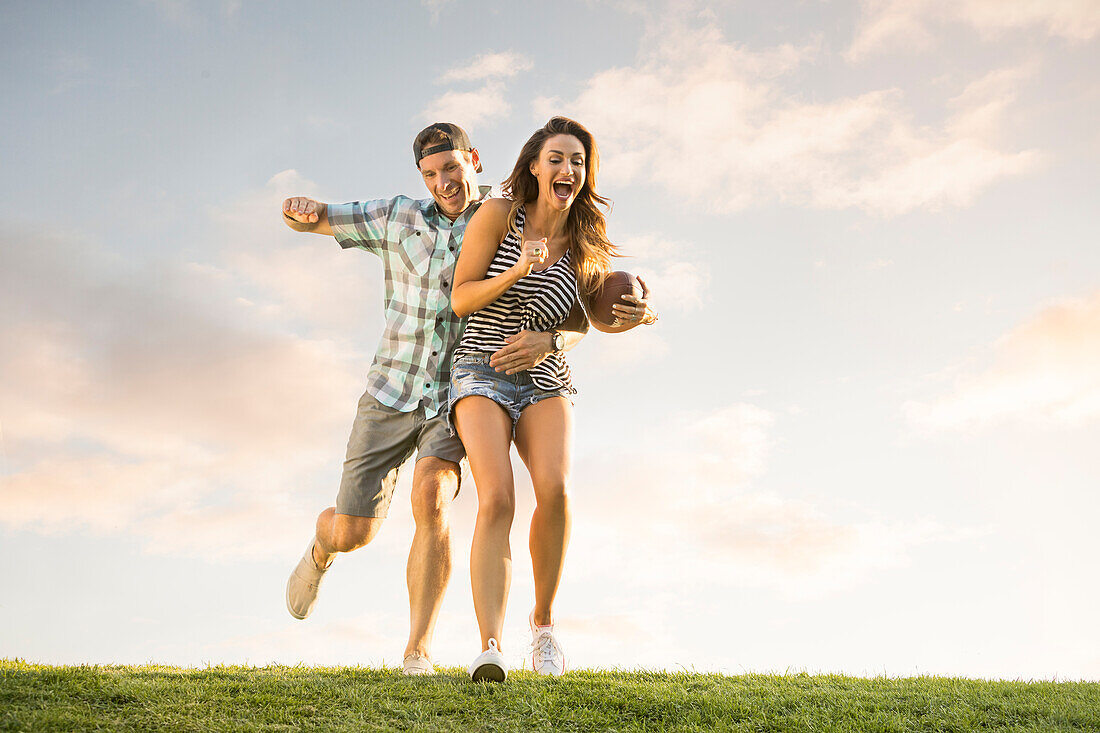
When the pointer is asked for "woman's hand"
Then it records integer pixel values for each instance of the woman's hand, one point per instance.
(634, 310)
(531, 253)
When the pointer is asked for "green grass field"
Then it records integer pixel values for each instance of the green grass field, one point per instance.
(42, 698)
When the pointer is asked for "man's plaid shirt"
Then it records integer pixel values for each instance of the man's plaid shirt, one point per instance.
(418, 247)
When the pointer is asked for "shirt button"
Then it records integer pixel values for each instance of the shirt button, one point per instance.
(444, 283)
(452, 248)
(435, 353)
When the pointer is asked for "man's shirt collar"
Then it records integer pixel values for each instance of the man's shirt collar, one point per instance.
(431, 208)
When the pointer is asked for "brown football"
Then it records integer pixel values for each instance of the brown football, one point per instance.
(616, 285)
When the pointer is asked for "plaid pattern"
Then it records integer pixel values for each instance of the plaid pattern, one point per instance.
(418, 247)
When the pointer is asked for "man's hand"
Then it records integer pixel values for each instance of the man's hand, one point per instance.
(306, 215)
(303, 210)
(524, 350)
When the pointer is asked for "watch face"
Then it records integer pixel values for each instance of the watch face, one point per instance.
(559, 342)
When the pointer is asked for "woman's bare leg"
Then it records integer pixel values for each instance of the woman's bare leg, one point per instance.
(486, 431)
(544, 436)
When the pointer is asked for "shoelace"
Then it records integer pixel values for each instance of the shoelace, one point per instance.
(546, 646)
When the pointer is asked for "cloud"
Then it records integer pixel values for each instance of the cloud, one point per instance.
(306, 282)
(99, 492)
(435, 7)
(714, 123)
(1045, 372)
(489, 66)
(178, 12)
(177, 401)
(670, 269)
(468, 108)
(912, 25)
(153, 372)
(692, 488)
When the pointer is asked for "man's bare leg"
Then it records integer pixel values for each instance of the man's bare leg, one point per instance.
(435, 482)
(334, 533)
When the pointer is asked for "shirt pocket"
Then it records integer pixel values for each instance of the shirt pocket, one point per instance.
(414, 252)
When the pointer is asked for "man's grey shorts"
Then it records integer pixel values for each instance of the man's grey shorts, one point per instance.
(382, 439)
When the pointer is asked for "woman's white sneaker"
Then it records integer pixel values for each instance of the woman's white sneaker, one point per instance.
(489, 665)
(547, 657)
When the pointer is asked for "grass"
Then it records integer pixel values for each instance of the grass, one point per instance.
(43, 698)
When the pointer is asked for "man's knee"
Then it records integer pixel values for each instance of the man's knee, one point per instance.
(350, 532)
(435, 484)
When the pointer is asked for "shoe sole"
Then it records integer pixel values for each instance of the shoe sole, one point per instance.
(418, 672)
(489, 673)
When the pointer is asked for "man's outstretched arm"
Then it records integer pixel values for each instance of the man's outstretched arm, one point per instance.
(306, 215)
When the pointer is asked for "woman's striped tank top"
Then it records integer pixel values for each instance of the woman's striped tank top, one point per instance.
(539, 302)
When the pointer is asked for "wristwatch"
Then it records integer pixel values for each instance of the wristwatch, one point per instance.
(557, 341)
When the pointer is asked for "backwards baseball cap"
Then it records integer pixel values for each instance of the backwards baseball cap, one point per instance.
(457, 140)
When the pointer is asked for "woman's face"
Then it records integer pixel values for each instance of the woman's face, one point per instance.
(560, 171)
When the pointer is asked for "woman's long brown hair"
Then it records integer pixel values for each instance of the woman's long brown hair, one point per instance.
(586, 224)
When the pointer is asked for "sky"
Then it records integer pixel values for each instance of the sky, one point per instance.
(860, 439)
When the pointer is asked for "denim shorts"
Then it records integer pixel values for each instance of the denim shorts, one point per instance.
(471, 375)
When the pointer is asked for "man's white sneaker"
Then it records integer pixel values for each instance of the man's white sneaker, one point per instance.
(417, 664)
(303, 584)
(490, 665)
(547, 657)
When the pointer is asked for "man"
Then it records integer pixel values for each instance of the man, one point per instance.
(403, 408)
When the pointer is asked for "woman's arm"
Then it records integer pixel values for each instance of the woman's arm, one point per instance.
(471, 291)
(575, 326)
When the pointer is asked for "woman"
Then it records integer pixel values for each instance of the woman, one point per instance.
(524, 260)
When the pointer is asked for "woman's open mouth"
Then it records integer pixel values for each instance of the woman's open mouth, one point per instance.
(563, 190)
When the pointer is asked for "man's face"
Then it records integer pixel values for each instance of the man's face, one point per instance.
(451, 178)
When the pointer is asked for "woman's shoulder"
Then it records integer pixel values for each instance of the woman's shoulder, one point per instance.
(495, 209)
(490, 219)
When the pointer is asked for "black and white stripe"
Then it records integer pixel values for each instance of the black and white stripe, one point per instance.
(539, 302)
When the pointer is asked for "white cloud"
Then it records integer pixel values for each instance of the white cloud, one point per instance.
(98, 492)
(435, 7)
(468, 108)
(694, 484)
(736, 437)
(306, 281)
(713, 122)
(670, 269)
(489, 66)
(1044, 372)
(912, 25)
